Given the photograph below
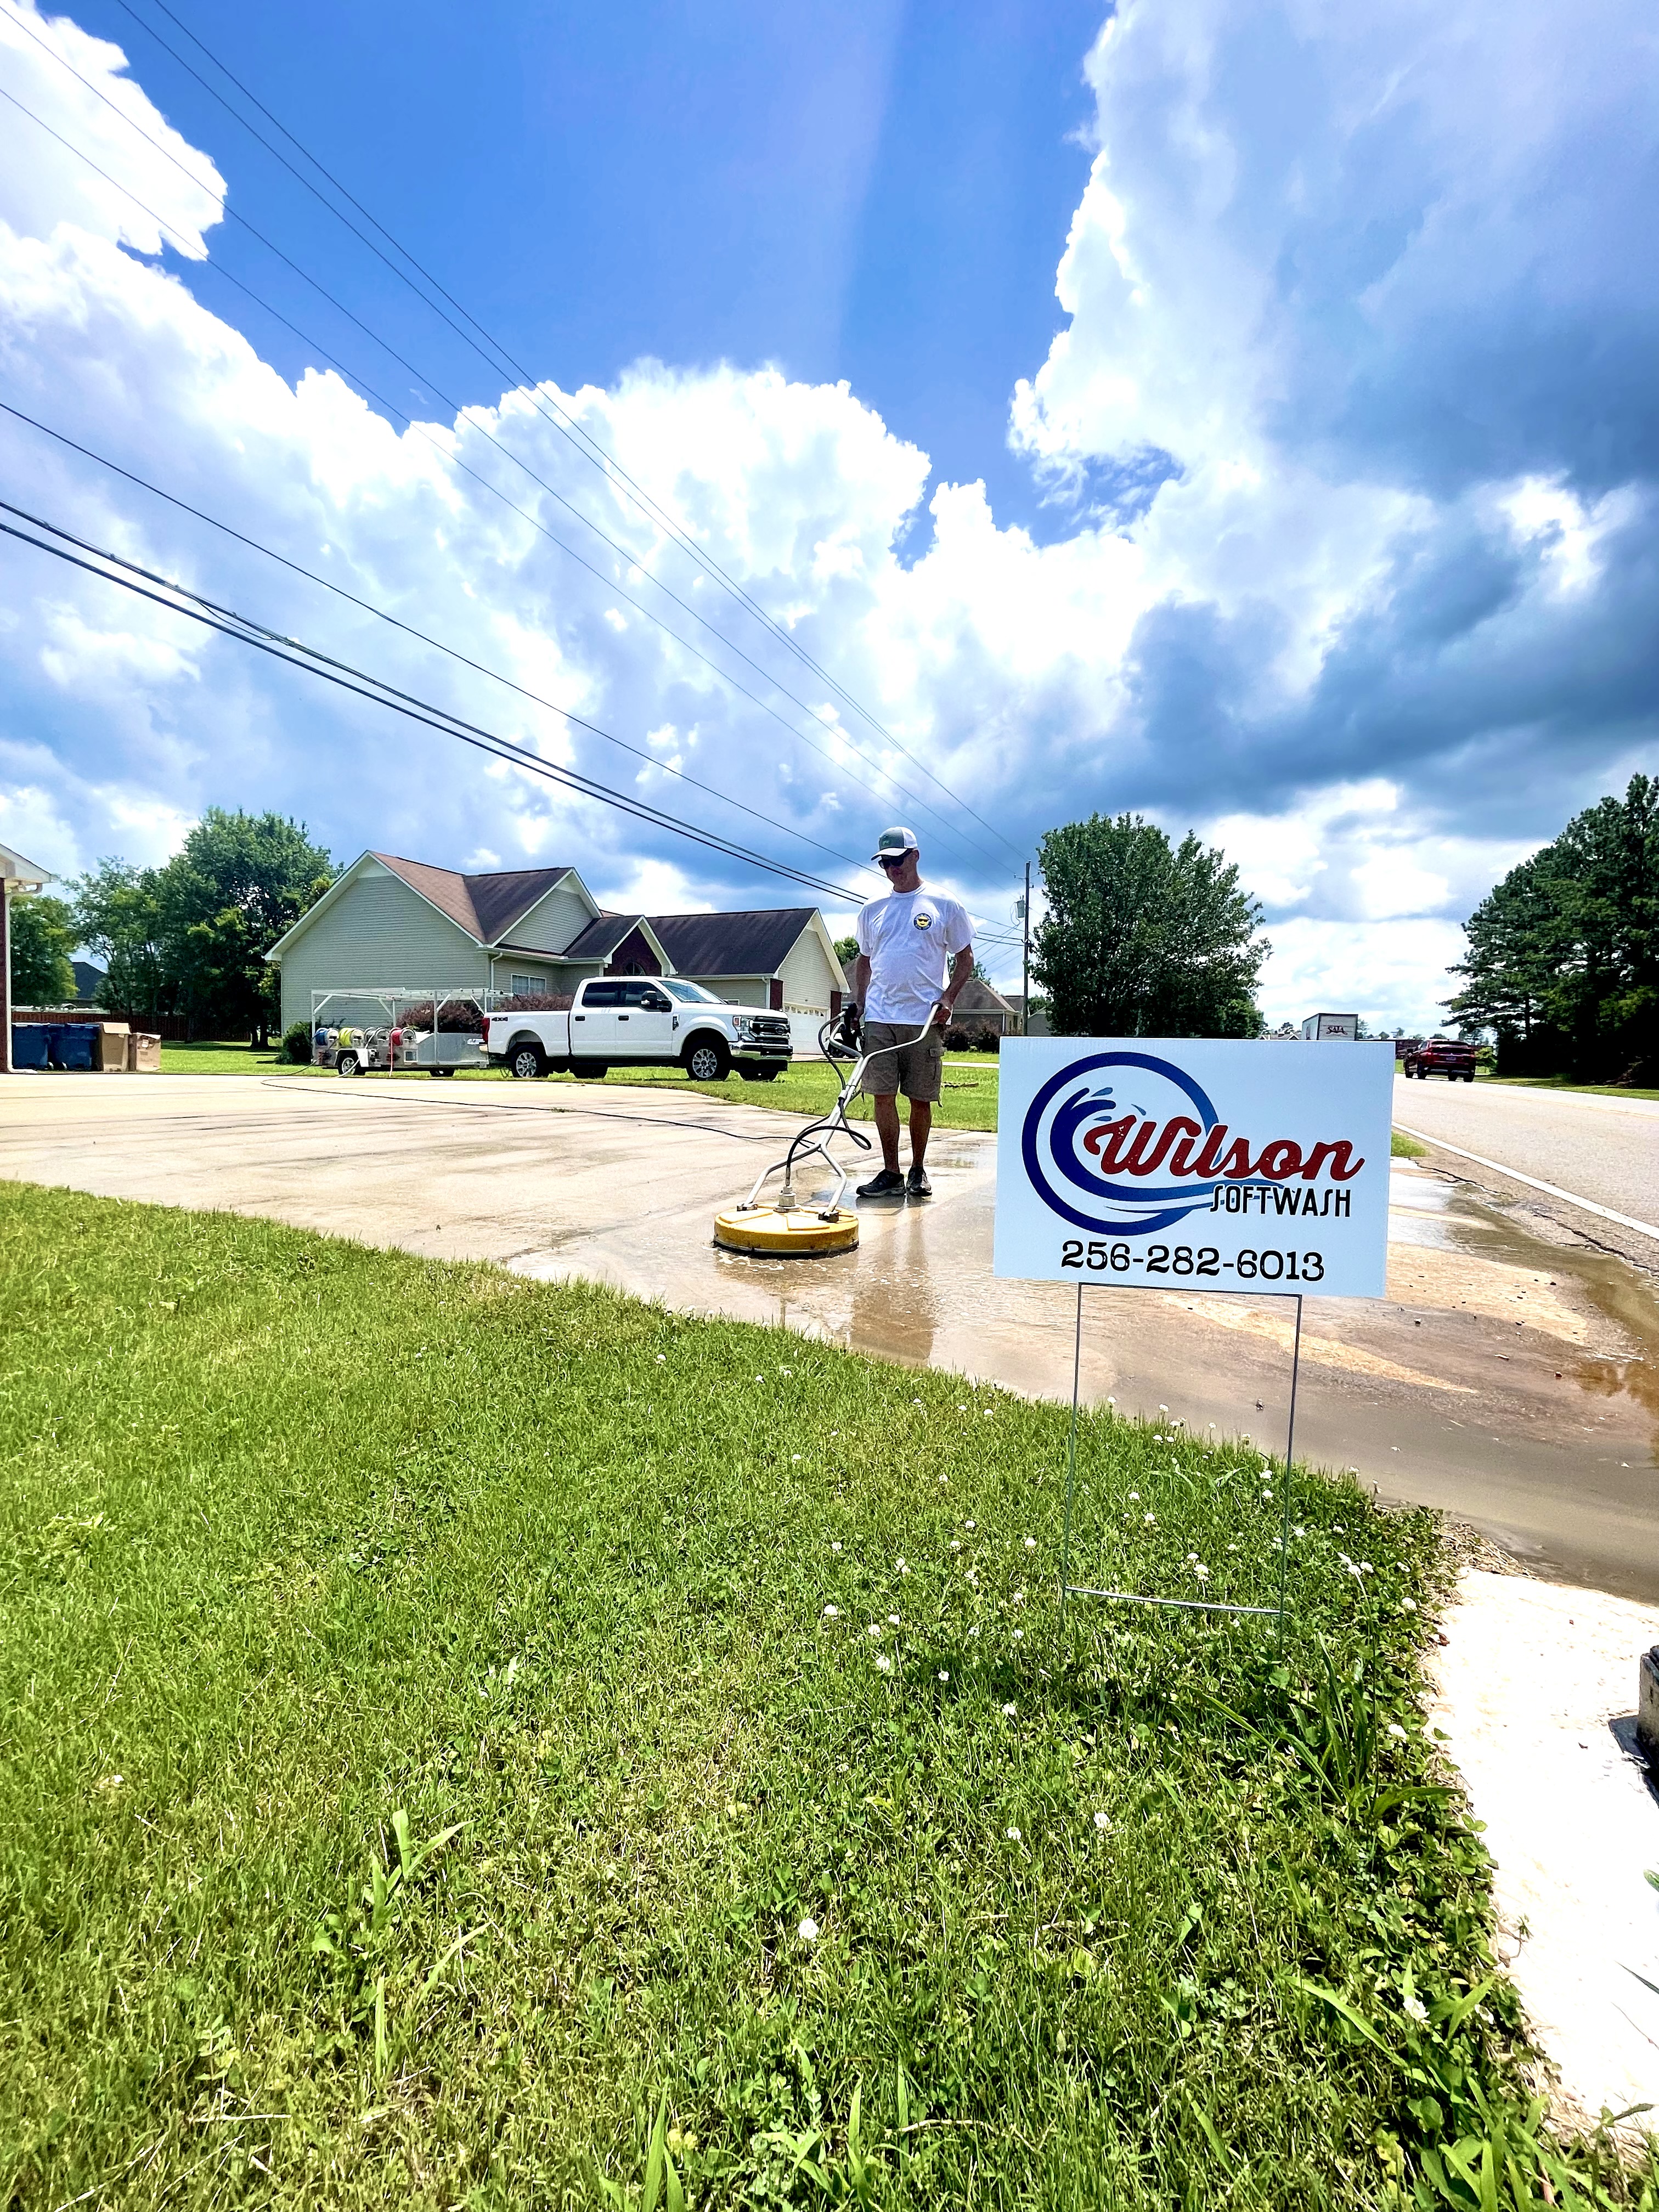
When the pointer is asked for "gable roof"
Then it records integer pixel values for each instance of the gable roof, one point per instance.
(977, 997)
(484, 906)
(607, 934)
(730, 944)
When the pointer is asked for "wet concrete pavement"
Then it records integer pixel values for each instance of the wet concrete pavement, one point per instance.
(1512, 1377)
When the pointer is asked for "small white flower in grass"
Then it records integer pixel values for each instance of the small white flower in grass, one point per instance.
(956, 1543)
(1408, 1605)
(786, 1370)
(1150, 1520)
(1102, 1822)
(1298, 1530)
(968, 1524)
(809, 1931)
(974, 1631)
(892, 1621)
(760, 1378)
(1267, 1495)
(1019, 1635)
(1338, 1529)
(1366, 1568)
(1232, 1547)
(835, 1547)
(1030, 1543)
(944, 1478)
(972, 1574)
(794, 1458)
(1191, 1558)
(1135, 1496)
(902, 1569)
(1013, 1835)
(945, 1674)
(1396, 1732)
(884, 1664)
(874, 1629)
(989, 1410)
(1416, 2010)
(661, 1357)
(915, 1401)
(830, 1613)
(1163, 1409)
(1007, 1713)
(1202, 1571)
(1111, 1401)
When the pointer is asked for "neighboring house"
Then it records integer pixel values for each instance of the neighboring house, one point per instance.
(90, 982)
(979, 1007)
(388, 923)
(1039, 1020)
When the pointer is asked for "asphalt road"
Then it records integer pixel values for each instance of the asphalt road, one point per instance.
(1606, 1150)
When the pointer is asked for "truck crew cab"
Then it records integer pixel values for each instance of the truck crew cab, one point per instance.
(641, 1021)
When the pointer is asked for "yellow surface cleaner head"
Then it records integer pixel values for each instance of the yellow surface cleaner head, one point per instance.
(801, 1232)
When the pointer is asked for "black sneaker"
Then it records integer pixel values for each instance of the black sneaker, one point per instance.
(918, 1185)
(890, 1183)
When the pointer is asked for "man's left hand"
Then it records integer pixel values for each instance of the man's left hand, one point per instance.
(941, 1015)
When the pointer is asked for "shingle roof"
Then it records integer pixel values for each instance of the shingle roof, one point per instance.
(600, 939)
(486, 907)
(977, 997)
(730, 943)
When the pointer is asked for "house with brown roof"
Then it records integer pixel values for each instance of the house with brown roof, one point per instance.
(391, 924)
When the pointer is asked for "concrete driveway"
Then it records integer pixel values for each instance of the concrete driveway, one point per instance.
(1511, 1377)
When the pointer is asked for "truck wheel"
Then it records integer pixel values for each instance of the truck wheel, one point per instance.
(589, 1071)
(708, 1060)
(348, 1064)
(528, 1061)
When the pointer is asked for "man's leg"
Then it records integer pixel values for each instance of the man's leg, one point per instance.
(922, 1123)
(887, 1128)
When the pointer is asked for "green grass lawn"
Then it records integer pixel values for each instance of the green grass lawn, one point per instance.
(809, 1086)
(473, 1742)
(1562, 1083)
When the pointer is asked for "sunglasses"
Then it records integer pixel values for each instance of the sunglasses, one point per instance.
(892, 860)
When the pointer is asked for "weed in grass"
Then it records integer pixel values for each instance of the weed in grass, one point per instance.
(292, 1531)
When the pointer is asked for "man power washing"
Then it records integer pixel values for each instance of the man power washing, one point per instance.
(905, 941)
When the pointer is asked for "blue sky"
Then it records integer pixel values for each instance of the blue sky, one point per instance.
(1247, 417)
(879, 194)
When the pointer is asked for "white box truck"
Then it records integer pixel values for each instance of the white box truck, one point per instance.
(641, 1021)
(1320, 1026)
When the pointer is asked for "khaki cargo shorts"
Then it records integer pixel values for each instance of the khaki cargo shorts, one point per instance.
(917, 1070)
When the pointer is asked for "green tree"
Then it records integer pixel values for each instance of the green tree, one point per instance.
(118, 917)
(43, 938)
(1142, 938)
(847, 951)
(1563, 953)
(190, 938)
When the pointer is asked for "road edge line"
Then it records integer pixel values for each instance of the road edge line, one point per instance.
(1554, 1190)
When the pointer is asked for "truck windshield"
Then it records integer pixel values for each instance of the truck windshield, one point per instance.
(688, 993)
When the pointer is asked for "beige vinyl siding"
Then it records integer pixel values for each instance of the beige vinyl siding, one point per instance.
(556, 921)
(808, 976)
(378, 930)
(736, 990)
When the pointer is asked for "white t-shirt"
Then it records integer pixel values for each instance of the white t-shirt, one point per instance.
(911, 939)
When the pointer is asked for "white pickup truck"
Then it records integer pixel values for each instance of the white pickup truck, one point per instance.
(641, 1021)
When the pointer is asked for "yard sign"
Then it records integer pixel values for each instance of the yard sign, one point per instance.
(1159, 1163)
(1145, 1163)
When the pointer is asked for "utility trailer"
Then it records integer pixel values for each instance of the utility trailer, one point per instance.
(376, 1029)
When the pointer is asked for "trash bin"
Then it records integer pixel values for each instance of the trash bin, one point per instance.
(29, 1044)
(74, 1045)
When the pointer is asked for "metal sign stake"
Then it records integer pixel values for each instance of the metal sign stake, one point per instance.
(1068, 1588)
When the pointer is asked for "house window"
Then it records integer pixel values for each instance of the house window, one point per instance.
(774, 994)
(523, 985)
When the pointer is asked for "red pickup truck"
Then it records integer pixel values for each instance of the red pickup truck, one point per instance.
(1441, 1056)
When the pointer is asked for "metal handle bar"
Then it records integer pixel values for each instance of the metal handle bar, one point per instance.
(814, 1138)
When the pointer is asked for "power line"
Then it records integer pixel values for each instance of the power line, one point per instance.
(570, 427)
(295, 653)
(622, 551)
(381, 614)
(453, 460)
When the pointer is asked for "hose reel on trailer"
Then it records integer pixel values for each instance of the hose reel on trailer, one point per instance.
(787, 1227)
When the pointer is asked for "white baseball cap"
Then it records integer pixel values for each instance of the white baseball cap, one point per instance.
(893, 842)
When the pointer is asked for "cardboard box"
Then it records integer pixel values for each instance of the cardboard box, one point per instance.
(143, 1053)
(110, 1053)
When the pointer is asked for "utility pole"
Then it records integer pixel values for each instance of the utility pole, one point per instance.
(1025, 959)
